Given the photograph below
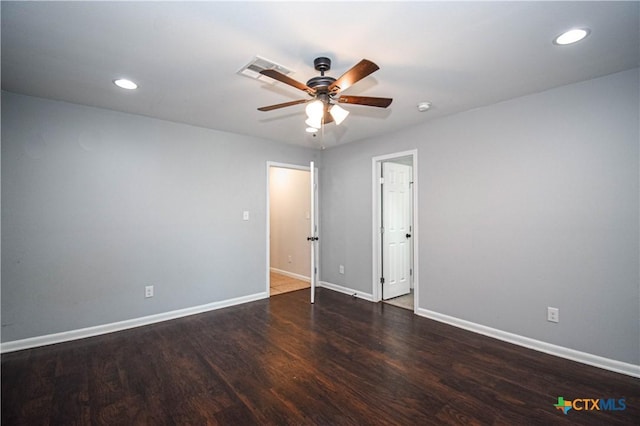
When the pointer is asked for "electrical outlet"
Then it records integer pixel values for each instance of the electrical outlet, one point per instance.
(290, 259)
(148, 291)
(553, 314)
(341, 269)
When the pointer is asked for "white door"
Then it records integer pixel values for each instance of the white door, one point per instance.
(396, 234)
(313, 231)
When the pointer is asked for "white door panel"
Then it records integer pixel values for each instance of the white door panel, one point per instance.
(313, 231)
(396, 224)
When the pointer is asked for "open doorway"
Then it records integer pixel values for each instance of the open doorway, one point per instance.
(394, 232)
(289, 214)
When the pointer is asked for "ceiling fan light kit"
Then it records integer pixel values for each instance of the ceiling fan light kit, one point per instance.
(315, 109)
(314, 122)
(322, 108)
(338, 113)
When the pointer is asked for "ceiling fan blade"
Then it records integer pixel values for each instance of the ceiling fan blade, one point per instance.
(366, 100)
(355, 74)
(287, 80)
(282, 105)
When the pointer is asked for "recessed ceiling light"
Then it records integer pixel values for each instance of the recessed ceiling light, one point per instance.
(424, 106)
(125, 84)
(571, 36)
(311, 130)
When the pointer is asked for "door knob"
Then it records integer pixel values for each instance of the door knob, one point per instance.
(408, 235)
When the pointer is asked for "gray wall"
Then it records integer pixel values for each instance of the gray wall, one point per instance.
(97, 204)
(522, 205)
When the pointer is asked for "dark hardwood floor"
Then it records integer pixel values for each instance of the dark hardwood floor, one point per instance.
(283, 361)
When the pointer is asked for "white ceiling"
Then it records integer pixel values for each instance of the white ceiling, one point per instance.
(185, 57)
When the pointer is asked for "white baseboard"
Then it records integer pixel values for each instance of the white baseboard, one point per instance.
(291, 274)
(82, 333)
(537, 345)
(346, 290)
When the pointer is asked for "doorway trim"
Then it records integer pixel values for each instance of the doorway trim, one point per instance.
(376, 166)
(268, 215)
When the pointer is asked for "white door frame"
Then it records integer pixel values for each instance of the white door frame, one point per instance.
(376, 166)
(268, 215)
(313, 229)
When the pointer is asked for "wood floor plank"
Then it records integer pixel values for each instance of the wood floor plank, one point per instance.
(282, 361)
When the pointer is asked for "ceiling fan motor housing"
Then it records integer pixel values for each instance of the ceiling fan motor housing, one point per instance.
(321, 82)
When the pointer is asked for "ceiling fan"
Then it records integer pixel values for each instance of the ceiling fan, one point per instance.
(324, 91)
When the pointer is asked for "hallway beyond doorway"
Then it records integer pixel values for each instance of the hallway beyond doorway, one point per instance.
(405, 301)
(283, 284)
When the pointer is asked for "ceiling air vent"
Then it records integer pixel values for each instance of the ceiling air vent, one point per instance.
(257, 64)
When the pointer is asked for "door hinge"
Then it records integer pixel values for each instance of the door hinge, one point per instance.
(382, 229)
(315, 271)
(410, 271)
(381, 280)
(381, 180)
